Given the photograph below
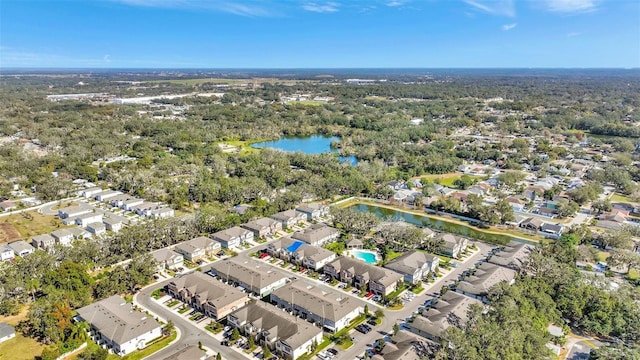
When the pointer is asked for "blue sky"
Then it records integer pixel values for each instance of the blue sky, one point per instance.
(319, 34)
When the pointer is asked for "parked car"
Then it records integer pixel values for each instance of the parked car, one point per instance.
(372, 322)
(333, 351)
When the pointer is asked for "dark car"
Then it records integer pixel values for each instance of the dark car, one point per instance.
(333, 351)
(372, 322)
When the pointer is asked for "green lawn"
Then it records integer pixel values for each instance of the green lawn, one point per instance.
(621, 198)
(141, 354)
(32, 223)
(20, 348)
(633, 274)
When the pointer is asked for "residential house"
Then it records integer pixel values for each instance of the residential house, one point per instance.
(284, 334)
(63, 237)
(553, 229)
(78, 232)
(619, 216)
(106, 195)
(517, 204)
(354, 243)
(290, 217)
(485, 277)
(8, 205)
(403, 346)
(44, 241)
(128, 204)
(86, 219)
(6, 253)
(414, 265)
(263, 227)
(331, 309)
(96, 228)
(117, 201)
(362, 275)
(206, 294)
(112, 224)
(90, 192)
(512, 256)
(21, 248)
(168, 259)
(317, 234)
(6, 332)
(162, 213)
(450, 310)
(144, 209)
(198, 248)
(452, 245)
(314, 211)
(116, 325)
(74, 211)
(253, 275)
(233, 237)
(300, 253)
(532, 223)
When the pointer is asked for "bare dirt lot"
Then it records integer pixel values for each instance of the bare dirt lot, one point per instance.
(8, 233)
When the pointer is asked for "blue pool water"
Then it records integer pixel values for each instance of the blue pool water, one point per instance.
(367, 257)
(293, 247)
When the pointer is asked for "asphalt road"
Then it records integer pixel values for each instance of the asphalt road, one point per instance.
(191, 334)
(579, 351)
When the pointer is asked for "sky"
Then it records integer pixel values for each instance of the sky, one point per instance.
(319, 34)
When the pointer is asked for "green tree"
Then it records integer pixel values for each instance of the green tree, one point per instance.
(235, 335)
(379, 313)
(218, 356)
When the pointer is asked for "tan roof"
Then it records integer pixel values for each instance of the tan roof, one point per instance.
(210, 289)
(370, 272)
(410, 261)
(252, 273)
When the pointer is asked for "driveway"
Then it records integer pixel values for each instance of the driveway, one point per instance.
(579, 351)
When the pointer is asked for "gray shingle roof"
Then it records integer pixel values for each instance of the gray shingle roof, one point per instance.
(330, 304)
(279, 324)
(371, 272)
(117, 320)
(409, 262)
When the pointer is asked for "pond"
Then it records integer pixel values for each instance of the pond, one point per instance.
(313, 145)
(436, 224)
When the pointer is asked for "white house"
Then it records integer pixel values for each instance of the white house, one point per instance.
(6, 332)
(112, 224)
(117, 325)
(6, 253)
(21, 248)
(96, 228)
(90, 192)
(86, 219)
(63, 237)
(162, 213)
(107, 194)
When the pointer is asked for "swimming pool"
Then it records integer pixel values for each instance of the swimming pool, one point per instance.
(368, 256)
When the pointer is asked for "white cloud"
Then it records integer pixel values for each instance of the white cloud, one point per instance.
(494, 7)
(507, 27)
(107, 58)
(395, 3)
(571, 6)
(573, 34)
(321, 8)
(231, 7)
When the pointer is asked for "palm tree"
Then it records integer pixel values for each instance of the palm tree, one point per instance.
(379, 313)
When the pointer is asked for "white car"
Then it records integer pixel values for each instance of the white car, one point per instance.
(227, 328)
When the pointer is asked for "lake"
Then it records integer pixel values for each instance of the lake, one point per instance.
(313, 145)
(436, 224)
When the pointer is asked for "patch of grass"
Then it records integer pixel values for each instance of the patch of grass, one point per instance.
(633, 274)
(155, 346)
(346, 344)
(396, 307)
(417, 290)
(392, 255)
(621, 198)
(32, 223)
(603, 255)
(20, 348)
(184, 310)
(397, 292)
